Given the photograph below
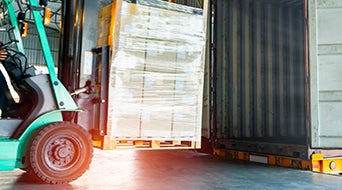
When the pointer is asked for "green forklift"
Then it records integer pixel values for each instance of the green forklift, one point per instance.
(37, 134)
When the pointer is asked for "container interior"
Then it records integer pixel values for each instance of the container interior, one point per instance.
(259, 71)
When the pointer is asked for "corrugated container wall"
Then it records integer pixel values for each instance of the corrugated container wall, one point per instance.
(259, 71)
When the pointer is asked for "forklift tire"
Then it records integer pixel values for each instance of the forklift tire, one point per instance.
(60, 153)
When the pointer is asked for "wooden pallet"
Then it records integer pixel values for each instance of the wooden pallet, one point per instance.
(154, 144)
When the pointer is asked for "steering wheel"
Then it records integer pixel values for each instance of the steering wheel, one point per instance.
(6, 45)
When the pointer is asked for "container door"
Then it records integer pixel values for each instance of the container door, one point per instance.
(325, 56)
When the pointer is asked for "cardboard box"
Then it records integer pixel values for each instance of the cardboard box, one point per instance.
(103, 25)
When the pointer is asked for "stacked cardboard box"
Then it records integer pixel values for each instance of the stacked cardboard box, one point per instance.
(156, 79)
(104, 24)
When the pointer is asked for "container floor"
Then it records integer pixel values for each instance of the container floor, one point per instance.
(176, 169)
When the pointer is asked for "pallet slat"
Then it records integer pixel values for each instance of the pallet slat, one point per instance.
(154, 144)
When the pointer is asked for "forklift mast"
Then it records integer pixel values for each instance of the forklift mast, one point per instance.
(70, 44)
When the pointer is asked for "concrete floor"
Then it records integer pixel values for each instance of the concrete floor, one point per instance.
(176, 170)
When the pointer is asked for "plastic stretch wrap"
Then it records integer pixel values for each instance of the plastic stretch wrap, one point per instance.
(156, 79)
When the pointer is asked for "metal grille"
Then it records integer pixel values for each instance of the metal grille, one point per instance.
(32, 46)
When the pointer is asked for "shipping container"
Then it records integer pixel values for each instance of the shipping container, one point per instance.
(277, 76)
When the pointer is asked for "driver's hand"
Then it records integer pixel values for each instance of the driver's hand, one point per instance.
(3, 55)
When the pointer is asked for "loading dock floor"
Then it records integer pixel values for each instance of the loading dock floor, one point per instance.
(176, 170)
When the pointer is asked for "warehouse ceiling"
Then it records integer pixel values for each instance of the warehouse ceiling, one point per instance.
(56, 7)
